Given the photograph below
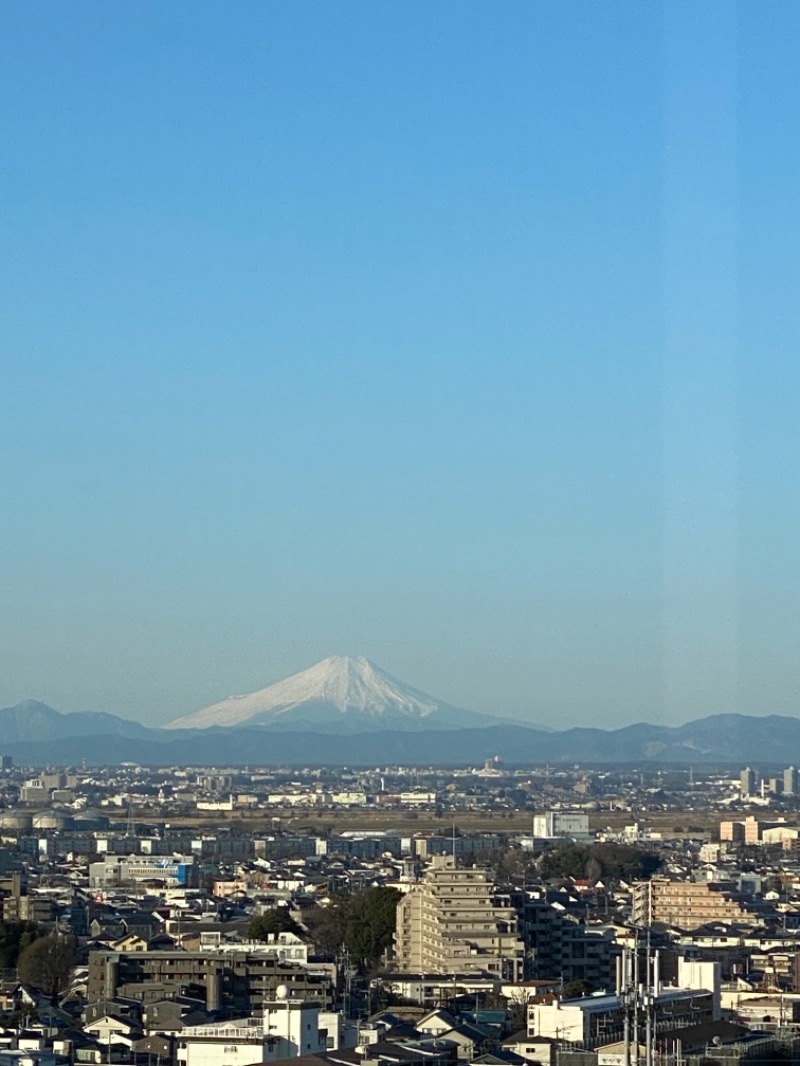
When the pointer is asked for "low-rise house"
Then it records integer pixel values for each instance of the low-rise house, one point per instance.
(110, 1029)
(533, 1049)
(286, 1029)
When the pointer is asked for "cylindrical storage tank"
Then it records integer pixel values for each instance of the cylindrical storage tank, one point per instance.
(91, 819)
(111, 977)
(20, 820)
(52, 820)
(213, 981)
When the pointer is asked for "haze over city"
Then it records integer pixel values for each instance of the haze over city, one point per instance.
(458, 337)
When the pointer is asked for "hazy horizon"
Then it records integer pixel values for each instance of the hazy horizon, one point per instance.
(462, 337)
(523, 716)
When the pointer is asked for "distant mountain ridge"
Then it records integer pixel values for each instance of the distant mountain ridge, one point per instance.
(34, 721)
(347, 711)
(47, 737)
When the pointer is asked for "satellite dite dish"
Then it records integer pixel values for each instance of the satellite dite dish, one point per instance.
(282, 992)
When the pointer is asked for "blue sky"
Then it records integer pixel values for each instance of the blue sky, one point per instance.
(460, 336)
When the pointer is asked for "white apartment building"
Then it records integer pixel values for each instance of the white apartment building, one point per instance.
(287, 1029)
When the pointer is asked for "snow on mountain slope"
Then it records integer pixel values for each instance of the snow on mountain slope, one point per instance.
(340, 691)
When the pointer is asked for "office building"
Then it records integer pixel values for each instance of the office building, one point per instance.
(571, 825)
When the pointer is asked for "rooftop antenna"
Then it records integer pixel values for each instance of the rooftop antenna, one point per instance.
(636, 997)
(649, 1003)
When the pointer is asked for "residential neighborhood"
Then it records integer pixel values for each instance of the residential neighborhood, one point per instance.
(172, 914)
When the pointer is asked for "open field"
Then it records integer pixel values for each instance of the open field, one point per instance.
(670, 823)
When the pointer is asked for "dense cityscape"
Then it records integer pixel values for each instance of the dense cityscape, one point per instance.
(212, 916)
(354, 353)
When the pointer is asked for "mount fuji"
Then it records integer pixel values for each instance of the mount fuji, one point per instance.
(340, 694)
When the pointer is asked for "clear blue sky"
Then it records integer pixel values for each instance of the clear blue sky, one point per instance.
(461, 336)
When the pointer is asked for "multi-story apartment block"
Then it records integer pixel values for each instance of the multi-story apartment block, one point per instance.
(227, 981)
(749, 831)
(687, 904)
(559, 944)
(455, 922)
(747, 782)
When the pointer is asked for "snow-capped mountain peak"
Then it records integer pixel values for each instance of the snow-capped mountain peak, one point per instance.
(340, 691)
(351, 681)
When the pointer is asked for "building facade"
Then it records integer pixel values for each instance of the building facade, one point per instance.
(571, 825)
(226, 981)
(287, 1029)
(559, 944)
(454, 922)
(686, 904)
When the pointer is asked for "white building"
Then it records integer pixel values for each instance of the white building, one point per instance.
(287, 947)
(112, 1030)
(598, 1020)
(287, 1029)
(119, 869)
(215, 805)
(553, 824)
(428, 989)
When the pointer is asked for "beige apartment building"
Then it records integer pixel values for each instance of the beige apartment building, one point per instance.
(749, 831)
(453, 922)
(686, 904)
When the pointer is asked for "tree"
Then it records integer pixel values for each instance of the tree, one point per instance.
(625, 861)
(14, 938)
(371, 927)
(328, 924)
(262, 926)
(576, 989)
(47, 963)
(361, 922)
(510, 865)
(604, 860)
(564, 860)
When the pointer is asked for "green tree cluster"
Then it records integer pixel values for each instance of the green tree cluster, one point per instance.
(599, 861)
(47, 963)
(361, 922)
(576, 989)
(371, 926)
(278, 920)
(14, 938)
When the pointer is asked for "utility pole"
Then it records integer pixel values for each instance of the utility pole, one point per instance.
(636, 992)
(638, 986)
(648, 995)
(625, 1000)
